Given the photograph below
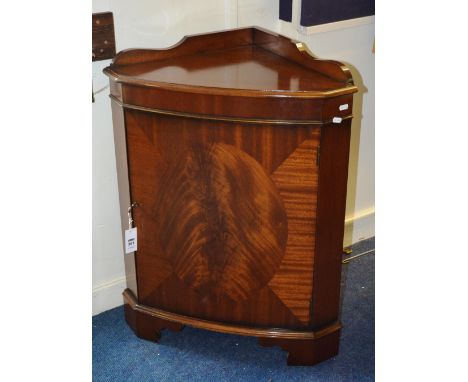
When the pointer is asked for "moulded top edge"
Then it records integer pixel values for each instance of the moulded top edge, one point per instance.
(243, 62)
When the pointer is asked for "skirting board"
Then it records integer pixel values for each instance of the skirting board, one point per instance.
(329, 27)
(359, 227)
(109, 295)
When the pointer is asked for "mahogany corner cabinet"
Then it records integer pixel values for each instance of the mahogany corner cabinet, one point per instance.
(232, 157)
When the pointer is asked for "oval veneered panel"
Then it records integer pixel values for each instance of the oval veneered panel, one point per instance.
(222, 223)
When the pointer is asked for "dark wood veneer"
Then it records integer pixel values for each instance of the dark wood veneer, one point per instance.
(224, 105)
(333, 176)
(240, 178)
(103, 36)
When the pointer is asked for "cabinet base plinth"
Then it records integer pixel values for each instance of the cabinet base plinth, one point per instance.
(146, 326)
(304, 347)
(306, 352)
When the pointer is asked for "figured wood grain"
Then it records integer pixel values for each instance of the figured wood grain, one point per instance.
(262, 308)
(240, 228)
(221, 221)
(212, 213)
(297, 181)
(148, 136)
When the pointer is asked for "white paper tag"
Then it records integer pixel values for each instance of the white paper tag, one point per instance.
(130, 240)
(343, 107)
(337, 120)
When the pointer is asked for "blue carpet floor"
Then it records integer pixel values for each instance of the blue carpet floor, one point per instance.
(197, 355)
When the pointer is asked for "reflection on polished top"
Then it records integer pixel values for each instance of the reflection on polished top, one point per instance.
(245, 62)
(247, 67)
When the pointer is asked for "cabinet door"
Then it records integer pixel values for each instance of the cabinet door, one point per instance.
(225, 217)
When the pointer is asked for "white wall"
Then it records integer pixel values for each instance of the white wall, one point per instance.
(143, 23)
(351, 43)
(158, 24)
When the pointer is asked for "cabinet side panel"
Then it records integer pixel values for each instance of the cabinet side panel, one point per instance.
(124, 190)
(333, 175)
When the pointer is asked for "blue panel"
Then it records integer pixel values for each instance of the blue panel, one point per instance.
(285, 10)
(316, 12)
